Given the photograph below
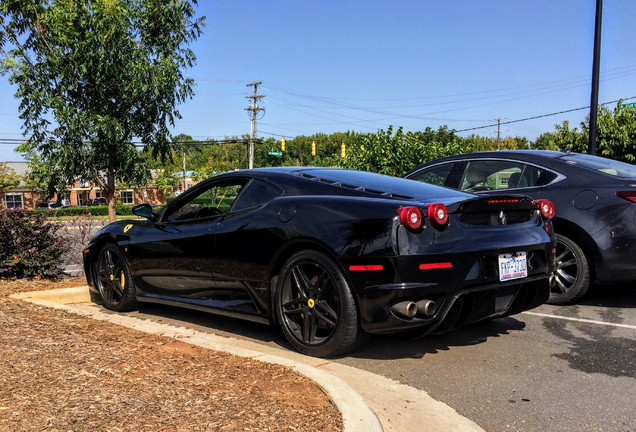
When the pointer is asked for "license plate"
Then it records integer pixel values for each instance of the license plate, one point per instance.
(512, 266)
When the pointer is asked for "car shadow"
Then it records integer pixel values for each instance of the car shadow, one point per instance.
(394, 346)
(212, 323)
(611, 295)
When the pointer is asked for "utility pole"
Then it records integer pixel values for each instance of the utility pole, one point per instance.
(595, 78)
(185, 173)
(253, 110)
(498, 119)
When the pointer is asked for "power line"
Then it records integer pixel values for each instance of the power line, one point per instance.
(13, 141)
(545, 115)
(141, 145)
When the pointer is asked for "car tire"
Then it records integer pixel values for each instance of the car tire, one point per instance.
(114, 281)
(315, 307)
(572, 274)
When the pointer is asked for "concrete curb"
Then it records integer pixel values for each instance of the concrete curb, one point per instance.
(356, 413)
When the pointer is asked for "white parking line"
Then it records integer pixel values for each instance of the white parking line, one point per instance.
(633, 327)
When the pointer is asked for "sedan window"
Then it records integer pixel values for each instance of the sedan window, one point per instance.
(436, 175)
(606, 166)
(482, 175)
(485, 175)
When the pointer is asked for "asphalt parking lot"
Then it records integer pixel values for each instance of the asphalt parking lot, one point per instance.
(557, 368)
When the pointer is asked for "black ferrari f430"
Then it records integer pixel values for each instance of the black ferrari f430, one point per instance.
(330, 255)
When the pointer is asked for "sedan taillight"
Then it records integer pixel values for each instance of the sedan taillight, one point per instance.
(547, 208)
(628, 195)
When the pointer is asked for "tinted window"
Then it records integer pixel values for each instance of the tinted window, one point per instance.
(435, 175)
(491, 175)
(484, 175)
(379, 183)
(255, 193)
(606, 166)
(533, 176)
(215, 199)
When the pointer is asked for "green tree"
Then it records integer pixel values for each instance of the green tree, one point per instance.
(8, 180)
(545, 141)
(107, 72)
(615, 138)
(395, 154)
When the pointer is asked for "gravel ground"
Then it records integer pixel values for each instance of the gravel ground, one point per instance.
(63, 372)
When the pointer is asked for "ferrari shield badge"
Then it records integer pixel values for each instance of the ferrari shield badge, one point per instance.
(127, 227)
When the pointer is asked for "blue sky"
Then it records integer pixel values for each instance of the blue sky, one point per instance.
(333, 66)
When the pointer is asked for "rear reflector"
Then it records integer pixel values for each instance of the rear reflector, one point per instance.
(365, 268)
(432, 266)
(628, 195)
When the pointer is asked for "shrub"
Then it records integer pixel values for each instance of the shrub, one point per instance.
(78, 232)
(31, 246)
(120, 209)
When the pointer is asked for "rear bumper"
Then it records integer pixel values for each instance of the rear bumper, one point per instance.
(467, 292)
(617, 246)
(453, 310)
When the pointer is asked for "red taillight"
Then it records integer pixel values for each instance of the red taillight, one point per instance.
(546, 207)
(438, 214)
(628, 195)
(411, 217)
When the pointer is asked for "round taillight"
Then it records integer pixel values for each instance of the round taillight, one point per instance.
(411, 217)
(547, 208)
(438, 214)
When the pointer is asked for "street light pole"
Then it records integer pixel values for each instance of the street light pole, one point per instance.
(595, 78)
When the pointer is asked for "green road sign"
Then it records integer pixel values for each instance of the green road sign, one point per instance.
(631, 104)
(275, 153)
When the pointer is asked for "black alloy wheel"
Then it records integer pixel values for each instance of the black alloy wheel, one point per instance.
(114, 281)
(572, 275)
(315, 307)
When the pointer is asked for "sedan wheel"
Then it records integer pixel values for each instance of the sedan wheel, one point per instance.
(572, 276)
(315, 307)
(114, 281)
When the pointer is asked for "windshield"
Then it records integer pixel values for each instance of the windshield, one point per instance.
(606, 166)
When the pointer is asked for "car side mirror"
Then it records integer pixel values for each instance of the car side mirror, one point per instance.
(144, 210)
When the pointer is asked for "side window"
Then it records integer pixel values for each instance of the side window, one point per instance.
(256, 192)
(486, 175)
(435, 175)
(215, 200)
(538, 177)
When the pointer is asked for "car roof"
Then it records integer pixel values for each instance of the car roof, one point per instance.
(565, 162)
(551, 154)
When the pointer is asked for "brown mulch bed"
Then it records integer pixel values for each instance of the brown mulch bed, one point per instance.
(65, 372)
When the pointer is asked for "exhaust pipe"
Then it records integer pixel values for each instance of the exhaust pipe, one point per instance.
(407, 309)
(426, 308)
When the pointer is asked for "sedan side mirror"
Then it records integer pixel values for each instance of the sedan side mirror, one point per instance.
(144, 210)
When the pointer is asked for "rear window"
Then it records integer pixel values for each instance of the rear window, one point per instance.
(381, 184)
(606, 166)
